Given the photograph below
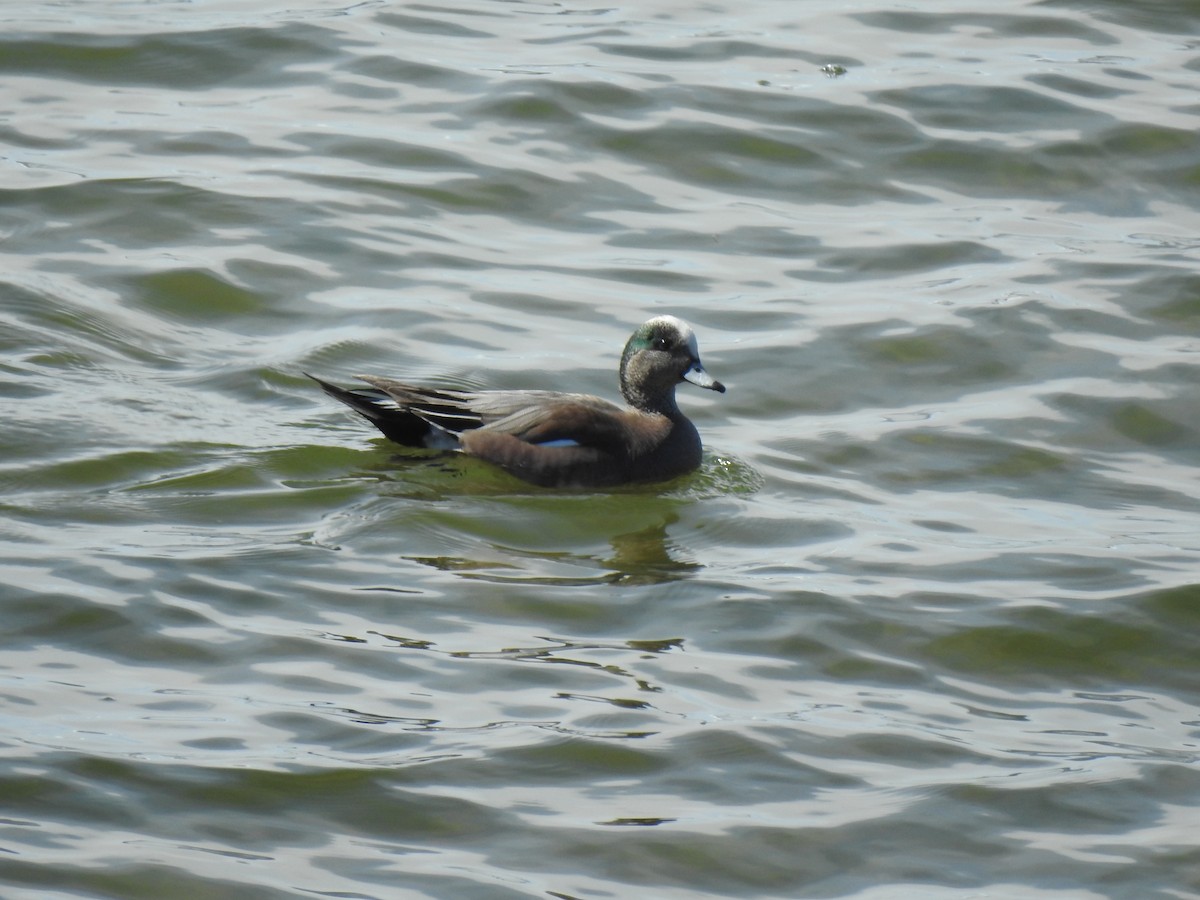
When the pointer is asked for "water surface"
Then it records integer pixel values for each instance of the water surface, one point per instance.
(923, 625)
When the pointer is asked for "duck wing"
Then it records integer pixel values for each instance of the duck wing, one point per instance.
(535, 417)
(554, 420)
(569, 440)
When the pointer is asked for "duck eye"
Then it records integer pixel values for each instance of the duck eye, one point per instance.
(660, 343)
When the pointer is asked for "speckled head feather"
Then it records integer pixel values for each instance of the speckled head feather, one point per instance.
(659, 355)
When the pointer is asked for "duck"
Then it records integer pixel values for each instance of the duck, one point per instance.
(551, 438)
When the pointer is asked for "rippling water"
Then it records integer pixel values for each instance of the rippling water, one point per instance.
(925, 624)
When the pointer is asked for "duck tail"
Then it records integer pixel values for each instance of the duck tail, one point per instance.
(394, 421)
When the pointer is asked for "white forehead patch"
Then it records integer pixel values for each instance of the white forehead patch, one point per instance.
(681, 328)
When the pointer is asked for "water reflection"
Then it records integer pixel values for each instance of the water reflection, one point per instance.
(641, 557)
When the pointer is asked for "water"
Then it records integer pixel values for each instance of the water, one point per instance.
(923, 625)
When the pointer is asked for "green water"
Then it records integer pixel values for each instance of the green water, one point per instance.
(923, 625)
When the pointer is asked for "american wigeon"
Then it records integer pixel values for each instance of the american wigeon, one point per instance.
(556, 439)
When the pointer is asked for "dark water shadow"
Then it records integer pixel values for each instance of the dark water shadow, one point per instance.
(640, 557)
